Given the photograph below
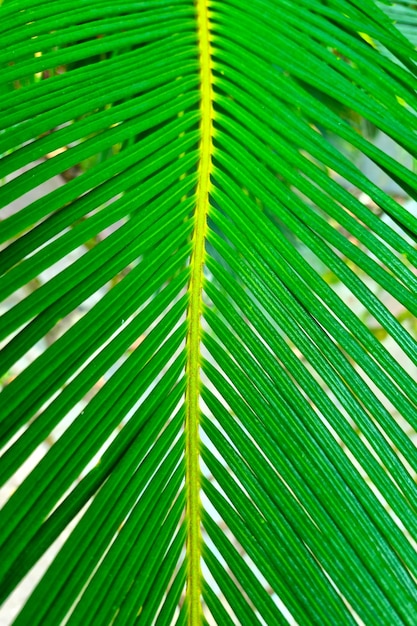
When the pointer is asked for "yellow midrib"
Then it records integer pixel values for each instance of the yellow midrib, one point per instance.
(193, 341)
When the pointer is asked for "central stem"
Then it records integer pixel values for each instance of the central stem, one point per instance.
(194, 313)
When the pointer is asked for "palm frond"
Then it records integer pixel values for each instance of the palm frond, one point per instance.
(208, 411)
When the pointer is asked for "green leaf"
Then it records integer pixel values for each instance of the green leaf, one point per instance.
(208, 407)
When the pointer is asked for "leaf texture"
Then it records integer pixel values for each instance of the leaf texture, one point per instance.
(208, 359)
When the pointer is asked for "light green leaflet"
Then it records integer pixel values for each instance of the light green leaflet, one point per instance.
(209, 395)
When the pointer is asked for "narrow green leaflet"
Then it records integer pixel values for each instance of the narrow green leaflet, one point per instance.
(208, 227)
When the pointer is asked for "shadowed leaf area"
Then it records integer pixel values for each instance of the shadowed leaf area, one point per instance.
(208, 325)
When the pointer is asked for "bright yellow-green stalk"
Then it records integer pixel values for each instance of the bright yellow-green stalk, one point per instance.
(194, 323)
